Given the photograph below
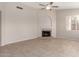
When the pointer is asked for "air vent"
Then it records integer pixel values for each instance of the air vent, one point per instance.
(19, 7)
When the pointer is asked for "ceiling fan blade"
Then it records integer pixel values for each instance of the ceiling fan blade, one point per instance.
(42, 5)
(51, 3)
(55, 6)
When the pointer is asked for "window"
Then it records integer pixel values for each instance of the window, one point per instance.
(72, 23)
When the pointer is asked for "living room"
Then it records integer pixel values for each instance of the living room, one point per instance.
(39, 29)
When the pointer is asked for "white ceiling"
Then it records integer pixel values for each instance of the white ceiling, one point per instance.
(62, 5)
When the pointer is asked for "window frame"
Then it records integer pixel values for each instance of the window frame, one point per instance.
(69, 23)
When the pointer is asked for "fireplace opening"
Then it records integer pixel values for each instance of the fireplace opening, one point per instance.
(46, 33)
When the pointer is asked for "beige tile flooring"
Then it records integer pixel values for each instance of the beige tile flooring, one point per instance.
(42, 47)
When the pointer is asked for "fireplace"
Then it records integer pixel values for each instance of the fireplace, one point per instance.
(46, 33)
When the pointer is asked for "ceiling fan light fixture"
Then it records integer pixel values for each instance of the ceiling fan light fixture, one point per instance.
(48, 7)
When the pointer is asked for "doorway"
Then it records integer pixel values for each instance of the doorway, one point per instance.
(0, 28)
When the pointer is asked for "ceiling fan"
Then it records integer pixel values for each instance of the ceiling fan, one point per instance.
(48, 6)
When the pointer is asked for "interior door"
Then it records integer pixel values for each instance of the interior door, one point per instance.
(0, 28)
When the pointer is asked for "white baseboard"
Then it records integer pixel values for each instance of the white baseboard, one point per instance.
(23, 39)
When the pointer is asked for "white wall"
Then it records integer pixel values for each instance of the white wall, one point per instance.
(47, 22)
(61, 24)
(19, 25)
(2, 10)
